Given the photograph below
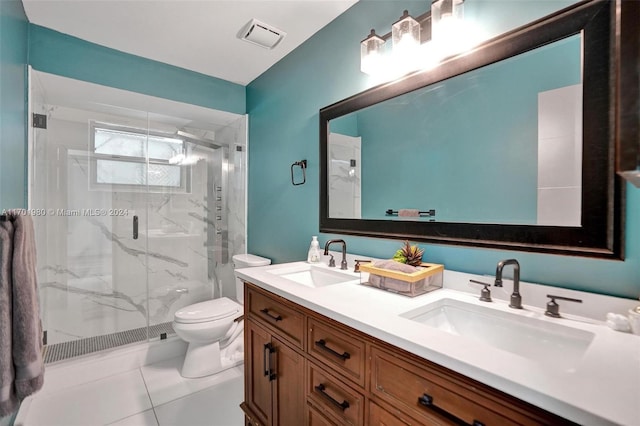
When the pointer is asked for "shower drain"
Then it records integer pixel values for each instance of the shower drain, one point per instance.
(74, 348)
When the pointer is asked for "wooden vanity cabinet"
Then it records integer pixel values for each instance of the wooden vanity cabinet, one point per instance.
(302, 368)
(274, 366)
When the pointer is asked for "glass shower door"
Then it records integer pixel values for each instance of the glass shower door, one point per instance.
(185, 225)
(118, 172)
(91, 271)
(106, 187)
(196, 221)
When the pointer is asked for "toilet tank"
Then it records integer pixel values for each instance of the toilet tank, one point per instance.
(246, 261)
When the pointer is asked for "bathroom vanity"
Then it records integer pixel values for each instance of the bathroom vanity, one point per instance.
(323, 352)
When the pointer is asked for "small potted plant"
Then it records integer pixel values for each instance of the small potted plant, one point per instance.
(405, 274)
(409, 255)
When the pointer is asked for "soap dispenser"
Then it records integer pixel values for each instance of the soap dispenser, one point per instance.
(314, 251)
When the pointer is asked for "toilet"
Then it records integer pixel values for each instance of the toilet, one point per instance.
(213, 329)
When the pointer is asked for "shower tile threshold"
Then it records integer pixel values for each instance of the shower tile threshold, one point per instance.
(74, 348)
(138, 384)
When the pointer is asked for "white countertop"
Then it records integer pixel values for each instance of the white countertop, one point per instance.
(603, 387)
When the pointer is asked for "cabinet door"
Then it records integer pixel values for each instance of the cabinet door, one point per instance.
(258, 381)
(288, 391)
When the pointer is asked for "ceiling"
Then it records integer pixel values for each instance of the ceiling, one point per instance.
(197, 35)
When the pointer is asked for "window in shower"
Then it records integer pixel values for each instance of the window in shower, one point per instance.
(120, 159)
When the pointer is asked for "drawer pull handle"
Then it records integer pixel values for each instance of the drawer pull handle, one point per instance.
(323, 345)
(341, 405)
(427, 401)
(275, 318)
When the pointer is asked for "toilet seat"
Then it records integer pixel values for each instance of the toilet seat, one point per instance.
(210, 310)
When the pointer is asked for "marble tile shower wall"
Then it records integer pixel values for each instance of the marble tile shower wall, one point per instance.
(95, 278)
(235, 210)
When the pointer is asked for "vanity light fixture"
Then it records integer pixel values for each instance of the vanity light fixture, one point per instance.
(405, 34)
(371, 53)
(449, 31)
(444, 15)
(417, 43)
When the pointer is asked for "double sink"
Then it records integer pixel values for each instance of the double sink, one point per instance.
(523, 332)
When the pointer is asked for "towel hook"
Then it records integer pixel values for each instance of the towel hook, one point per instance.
(303, 165)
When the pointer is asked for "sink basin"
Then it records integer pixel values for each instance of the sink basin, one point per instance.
(554, 345)
(313, 276)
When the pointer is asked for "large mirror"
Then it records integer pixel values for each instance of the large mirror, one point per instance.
(510, 146)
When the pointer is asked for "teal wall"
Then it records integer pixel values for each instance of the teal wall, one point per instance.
(13, 111)
(61, 54)
(485, 114)
(283, 104)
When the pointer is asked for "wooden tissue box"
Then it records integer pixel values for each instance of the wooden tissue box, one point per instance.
(413, 284)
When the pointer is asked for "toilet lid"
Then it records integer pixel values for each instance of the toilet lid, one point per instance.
(208, 311)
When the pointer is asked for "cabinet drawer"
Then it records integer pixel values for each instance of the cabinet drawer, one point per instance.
(315, 418)
(433, 396)
(379, 416)
(287, 321)
(334, 397)
(334, 347)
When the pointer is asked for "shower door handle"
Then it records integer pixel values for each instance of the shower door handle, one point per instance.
(135, 227)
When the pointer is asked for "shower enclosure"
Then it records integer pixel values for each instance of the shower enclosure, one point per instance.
(137, 212)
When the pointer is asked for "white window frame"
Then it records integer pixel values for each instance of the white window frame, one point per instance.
(185, 170)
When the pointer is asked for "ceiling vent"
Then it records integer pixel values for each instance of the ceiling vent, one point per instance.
(261, 34)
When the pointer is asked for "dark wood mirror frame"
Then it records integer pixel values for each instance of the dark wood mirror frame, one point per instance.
(602, 232)
(628, 152)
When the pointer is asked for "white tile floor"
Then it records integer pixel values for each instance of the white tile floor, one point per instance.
(153, 394)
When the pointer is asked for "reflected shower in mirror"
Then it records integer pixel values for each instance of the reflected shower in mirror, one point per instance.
(499, 144)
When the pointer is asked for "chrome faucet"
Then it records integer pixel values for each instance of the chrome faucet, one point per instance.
(516, 299)
(332, 263)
